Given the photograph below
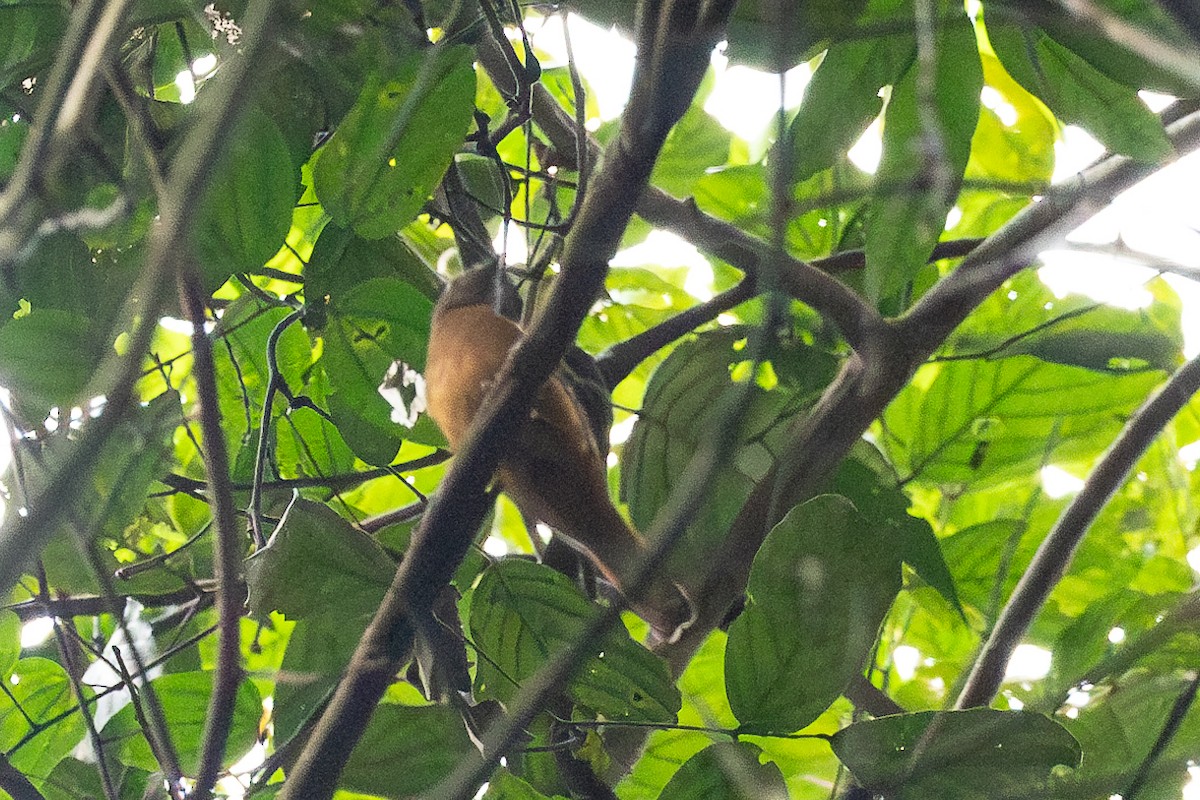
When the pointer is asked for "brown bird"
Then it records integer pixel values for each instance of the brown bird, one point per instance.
(555, 472)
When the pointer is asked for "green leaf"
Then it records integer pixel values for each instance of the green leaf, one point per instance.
(1013, 143)
(29, 33)
(184, 699)
(315, 561)
(978, 754)
(696, 144)
(678, 412)
(391, 150)
(1119, 727)
(878, 500)
(819, 589)
(503, 785)
(10, 641)
(1077, 93)
(372, 325)
(318, 650)
(247, 209)
(985, 421)
(973, 555)
(1108, 54)
(522, 613)
(394, 314)
(47, 358)
(906, 216)
(726, 771)
(42, 691)
(407, 750)
(843, 98)
(341, 261)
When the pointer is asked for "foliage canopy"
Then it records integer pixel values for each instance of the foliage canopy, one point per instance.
(223, 229)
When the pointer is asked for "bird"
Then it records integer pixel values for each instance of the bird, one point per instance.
(555, 472)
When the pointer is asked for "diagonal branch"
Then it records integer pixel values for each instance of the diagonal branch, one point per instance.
(868, 382)
(455, 514)
(857, 320)
(1054, 555)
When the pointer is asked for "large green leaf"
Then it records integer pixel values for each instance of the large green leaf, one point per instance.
(371, 326)
(10, 641)
(318, 650)
(908, 209)
(41, 691)
(696, 143)
(184, 699)
(29, 33)
(315, 561)
(678, 412)
(341, 261)
(983, 421)
(522, 613)
(979, 754)
(47, 358)
(407, 750)
(1078, 93)
(391, 150)
(726, 771)
(247, 208)
(843, 98)
(819, 589)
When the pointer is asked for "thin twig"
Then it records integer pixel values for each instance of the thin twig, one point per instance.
(1170, 728)
(227, 552)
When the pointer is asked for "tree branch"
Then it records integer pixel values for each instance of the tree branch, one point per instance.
(855, 318)
(868, 382)
(15, 783)
(454, 516)
(227, 554)
(1054, 555)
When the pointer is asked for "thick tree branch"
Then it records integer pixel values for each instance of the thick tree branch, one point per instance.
(867, 383)
(13, 781)
(1054, 555)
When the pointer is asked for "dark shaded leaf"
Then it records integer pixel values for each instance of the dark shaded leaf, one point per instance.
(1077, 93)
(407, 750)
(726, 771)
(314, 562)
(978, 754)
(522, 613)
(247, 209)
